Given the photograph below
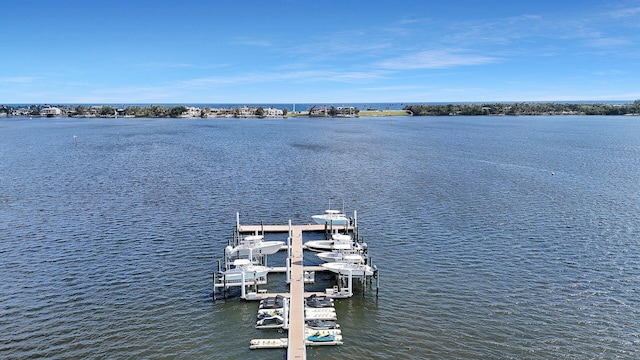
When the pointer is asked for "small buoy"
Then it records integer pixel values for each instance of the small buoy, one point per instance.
(552, 173)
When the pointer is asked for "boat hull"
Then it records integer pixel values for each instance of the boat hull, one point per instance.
(262, 248)
(335, 256)
(319, 245)
(249, 273)
(357, 270)
(322, 220)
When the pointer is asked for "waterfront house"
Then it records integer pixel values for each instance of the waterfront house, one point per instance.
(273, 112)
(50, 111)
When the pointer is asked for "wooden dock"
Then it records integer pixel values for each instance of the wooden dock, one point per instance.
(255, 229)
(296, 345)
(297, 342)
(281, 269)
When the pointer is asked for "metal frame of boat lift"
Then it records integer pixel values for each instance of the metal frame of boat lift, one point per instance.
(343, 288)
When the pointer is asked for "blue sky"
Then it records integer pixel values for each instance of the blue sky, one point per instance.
(284, 51)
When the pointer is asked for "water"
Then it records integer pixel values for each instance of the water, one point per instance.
(496, 237)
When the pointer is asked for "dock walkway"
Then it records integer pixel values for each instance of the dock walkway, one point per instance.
(251, 229)
(296, 348)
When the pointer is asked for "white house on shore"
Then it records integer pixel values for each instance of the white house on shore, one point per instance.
(191, 112)
(50, 111)
(273, 112)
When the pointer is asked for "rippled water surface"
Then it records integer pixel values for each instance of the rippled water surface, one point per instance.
(496, 237)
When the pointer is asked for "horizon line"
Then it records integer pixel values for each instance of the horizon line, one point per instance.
(321, 102)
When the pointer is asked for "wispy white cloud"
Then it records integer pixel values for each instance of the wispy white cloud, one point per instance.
(341, 45)
(436, 59)
(146, 94)
(18, 80)
(608, 72)
(252, 42)
(625, 12)
(392, 88)
(608, 42)
(298, 76)
(170, 65)
(165, 65)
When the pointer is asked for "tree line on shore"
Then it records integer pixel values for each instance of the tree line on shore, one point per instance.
(178, 111)
(148, 111)
(462, 109)
(525, 108)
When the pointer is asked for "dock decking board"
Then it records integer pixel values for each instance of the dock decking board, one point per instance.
(296, 344)
(281, 269)
(285, 228)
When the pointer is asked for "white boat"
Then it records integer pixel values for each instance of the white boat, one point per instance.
(319, 245)
(342, 268)
(349, 256)
(337, 242)
(334, 217)
(342, 241)
(246, 267)
(344, 249)
(253, 246)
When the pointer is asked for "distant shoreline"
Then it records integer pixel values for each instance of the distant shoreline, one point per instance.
(525, 109)
(375, 110)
